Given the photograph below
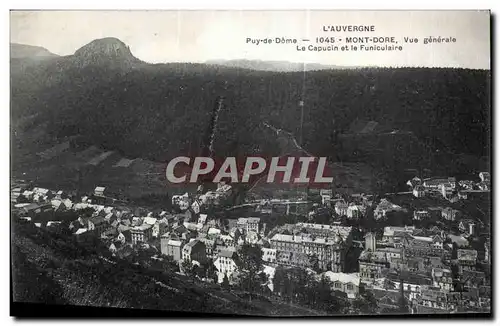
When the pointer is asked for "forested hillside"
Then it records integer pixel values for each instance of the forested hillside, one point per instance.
(160, 111)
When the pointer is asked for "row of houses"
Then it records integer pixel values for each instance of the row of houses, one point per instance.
(421, 262)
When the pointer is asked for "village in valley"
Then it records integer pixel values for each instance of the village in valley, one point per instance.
(424, 250)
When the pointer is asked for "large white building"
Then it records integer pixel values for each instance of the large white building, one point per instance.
(141, 233)
(347, 283)
(327, 243)
(249, 224)
(227, 264)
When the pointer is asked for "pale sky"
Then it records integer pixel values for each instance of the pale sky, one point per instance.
(197, 36)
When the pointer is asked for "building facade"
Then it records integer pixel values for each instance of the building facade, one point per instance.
(194, 250)
(227, 264)
(347, 283)
(141, 234)
(172, 248)
(325, 245)
(249, 224)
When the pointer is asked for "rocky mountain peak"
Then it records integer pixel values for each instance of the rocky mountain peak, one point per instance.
(103, 50)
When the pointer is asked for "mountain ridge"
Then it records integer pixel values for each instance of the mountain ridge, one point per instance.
(279, 66)
(18, 50)
(114, 48)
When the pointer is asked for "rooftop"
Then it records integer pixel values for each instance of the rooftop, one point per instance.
(214, 231)
(30, 206)
(149, 220)
(307, 239)
(387, 205)
(192, 243)
(227, 253)
(80, 231)
(175, 243)
(389, 249)
(343, 277)
(225, 237)
(208, 242)
(344, 231)
(437, 181)
(143, 227)
(123, 228)
(467, 254)
(40, 190)
(391, 230)
(374, 256)
(341, 204)
(426, 239)
(98, 220)
(244, 220)
(191, 226)
(459, 240)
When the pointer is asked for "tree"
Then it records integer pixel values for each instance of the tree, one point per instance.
(288, 287)
(403, 306)
(187, 267)
(279, 280)
(324, 292)
(327, 300)
(365, 303)
(262, 279)
(314, 261)
(454, 251)
(389, 285)
(300, 279)
(225, 282)
(198, 271)
(209, 269)
(310, 294)
(22, 199)
(168, 263)
(251, 257)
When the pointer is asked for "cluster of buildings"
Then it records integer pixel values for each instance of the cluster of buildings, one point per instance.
(186, 236)
(89, 218)
(425, 266)
(432, 269)
(449, 188)
(210, 242)
(210, 198)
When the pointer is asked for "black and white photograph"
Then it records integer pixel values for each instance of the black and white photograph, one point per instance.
(251, 163)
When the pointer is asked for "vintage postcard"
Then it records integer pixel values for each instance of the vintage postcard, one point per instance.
(251, 163)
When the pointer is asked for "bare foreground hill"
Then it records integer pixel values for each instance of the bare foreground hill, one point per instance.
(52, 269)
